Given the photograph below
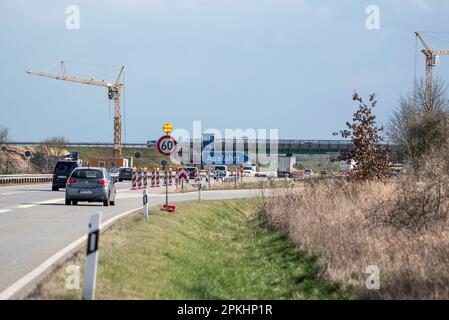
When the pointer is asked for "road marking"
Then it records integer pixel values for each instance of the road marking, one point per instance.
(25, 206)
(13, 289)
(4, 211)
(11, 193)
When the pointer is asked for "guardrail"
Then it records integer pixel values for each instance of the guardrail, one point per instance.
(25, 178)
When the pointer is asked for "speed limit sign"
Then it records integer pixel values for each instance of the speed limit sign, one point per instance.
(166, 145)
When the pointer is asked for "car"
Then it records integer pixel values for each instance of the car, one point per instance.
(125, 173)
(61, 173)
(221, 171)
(114, 172)
(308, 173)
(249, 170)
(91, 185)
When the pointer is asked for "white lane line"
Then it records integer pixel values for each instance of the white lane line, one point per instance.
(13, 289)
(4, 211)
(10, 193)
(25, 206)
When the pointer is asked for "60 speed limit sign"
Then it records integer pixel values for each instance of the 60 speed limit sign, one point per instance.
(166, 145)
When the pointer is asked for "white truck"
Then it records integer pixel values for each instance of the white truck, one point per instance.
(285, 166)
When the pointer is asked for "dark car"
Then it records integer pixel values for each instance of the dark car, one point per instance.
(61, 173)
(91, 185)
(125, 174)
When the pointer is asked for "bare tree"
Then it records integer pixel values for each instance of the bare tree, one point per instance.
(417, 126)
(370, 157)
(55, 146)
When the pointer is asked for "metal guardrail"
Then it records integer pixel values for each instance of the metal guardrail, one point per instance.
(25, 178)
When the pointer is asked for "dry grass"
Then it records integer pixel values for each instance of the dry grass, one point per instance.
(334, 220)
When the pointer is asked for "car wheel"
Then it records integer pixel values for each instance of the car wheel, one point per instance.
(106, 203)
(75, 203)
(120, 180)
(68, 202)
(54, 189)
(112, 203)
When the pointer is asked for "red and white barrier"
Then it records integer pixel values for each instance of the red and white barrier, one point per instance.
(134, 180)
(153, 179)
(139, 178)
(145, 179)
(165, 178)
(170, 178)
(157, 179)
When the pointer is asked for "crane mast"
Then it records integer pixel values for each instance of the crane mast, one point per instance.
(432, 60)
(114, 93)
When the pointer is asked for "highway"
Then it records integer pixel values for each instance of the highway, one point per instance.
(35, 223)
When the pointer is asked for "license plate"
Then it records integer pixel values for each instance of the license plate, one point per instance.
(62, 177)
(86, 192)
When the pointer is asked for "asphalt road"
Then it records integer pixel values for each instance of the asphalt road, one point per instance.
(35, 223)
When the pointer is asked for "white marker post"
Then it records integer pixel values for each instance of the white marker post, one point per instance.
(90, 274)
(145, 203)
(200, 188)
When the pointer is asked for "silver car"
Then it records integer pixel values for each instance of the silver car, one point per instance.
(91, 185)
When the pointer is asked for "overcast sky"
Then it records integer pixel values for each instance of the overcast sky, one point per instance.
(286, 64)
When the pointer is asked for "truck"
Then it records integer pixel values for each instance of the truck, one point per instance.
(285, 166)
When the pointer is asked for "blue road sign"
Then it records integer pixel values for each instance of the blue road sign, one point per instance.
(224, 158)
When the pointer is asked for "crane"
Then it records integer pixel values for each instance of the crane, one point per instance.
(114, 93)
(432, 60)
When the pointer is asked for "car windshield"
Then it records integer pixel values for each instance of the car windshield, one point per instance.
(247, 168)
(220, 168)
(87, 174)
(125, 170)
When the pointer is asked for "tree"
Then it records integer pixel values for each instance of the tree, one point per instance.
(370, 157)
(419, 127)
(3, 134)
(55, 146)
(50, 151)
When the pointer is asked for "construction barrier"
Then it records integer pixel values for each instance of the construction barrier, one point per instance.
(170, 178)
(157, 179)
(165, 178)
(153, 179)
(145, 178)
(134, 180)
(139, 178)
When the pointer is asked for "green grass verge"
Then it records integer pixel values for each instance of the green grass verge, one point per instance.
(207, 250)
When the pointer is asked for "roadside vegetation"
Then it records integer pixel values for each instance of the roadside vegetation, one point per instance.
(207, 250)
(398, 225)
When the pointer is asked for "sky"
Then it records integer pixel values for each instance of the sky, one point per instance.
(290, 65)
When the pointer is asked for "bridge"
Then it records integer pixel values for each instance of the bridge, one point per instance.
(298, 147)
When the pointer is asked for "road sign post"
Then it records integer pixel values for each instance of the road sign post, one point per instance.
(145, 203)
(166, 145)
(90, 274)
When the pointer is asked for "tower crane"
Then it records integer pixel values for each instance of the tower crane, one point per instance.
(432, 60)
(114, 93)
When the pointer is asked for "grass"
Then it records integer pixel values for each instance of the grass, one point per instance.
(207, 250)
(332, 218)
(262, 184)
